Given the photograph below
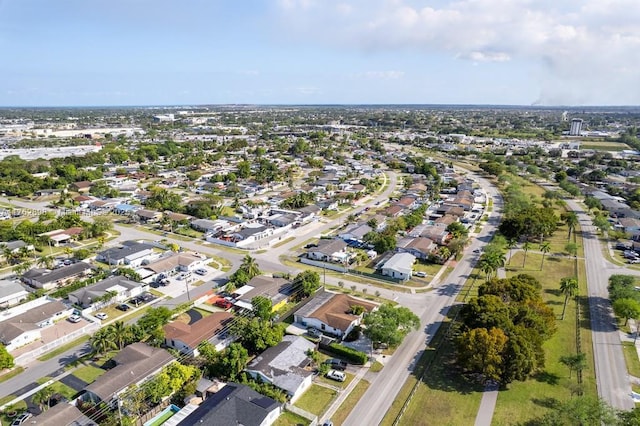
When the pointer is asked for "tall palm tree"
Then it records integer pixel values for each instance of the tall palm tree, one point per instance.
(250, 266)
(120, 333)
(545, 247)
(526, 246)
(571, 220)
(568, 287)
(46, 261)
(102, 341)
(511, 244)
(68, 251)
(487, 267)
(445, 254)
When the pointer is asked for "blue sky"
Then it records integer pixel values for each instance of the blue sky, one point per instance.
(143, 52)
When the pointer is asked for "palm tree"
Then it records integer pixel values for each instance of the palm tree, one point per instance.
(526, 246)
(568, 287)
(46, 261)
(68, 251)
(120, 333)
(250, 266)
(445, 254)
(487, 267)
(102, 341)
(511, 244)
(571, 220)
(43, 398)
(545, 248)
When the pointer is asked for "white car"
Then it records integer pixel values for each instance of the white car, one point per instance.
(102, 316)
(421, 274)
(337, 375)
(75, 318)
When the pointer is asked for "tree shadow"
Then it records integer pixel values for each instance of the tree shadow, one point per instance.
(546, 377)
(553, 291)
(547, 402)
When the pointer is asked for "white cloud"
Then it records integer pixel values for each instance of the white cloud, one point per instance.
(578, 49)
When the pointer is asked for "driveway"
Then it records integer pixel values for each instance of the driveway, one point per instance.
(74, 383)
(194, 316)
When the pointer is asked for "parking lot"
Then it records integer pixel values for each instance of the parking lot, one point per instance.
(179, 284)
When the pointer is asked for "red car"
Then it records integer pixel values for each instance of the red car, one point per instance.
(223, 303)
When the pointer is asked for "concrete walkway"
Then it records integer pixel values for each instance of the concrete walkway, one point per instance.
(343, 395)
(487, 405)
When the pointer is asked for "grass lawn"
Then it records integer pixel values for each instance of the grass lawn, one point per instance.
(335, 383)
(19, 408)
(12, 373)
(88, 373)
(605, 146)
(316, 399)
(287, 418)
(63, 390)
(343, 411)
(429, 268)
(631, 356)
(283, 242)
(376, 367)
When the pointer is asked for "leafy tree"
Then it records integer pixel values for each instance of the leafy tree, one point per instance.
(486, 311)
(6, 360)
(262, 307)
(43, 398)
(584, 410)
(571, 248)
(154, 318)
(480, 351)
(626, 308)
(575, 362)
(307, 283)
(492, 168)
(602, 223)
(568, 287)
(622, 287)
(389, 324)
(255, 334)
(457, 229)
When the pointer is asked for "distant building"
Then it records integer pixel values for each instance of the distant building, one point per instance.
(576, 127)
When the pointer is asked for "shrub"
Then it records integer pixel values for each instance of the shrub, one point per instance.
(352, 355)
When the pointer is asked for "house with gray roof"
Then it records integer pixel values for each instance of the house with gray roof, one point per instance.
(399, 266)
(355, 232)
(134, 364)
(328, 251)
(121, 287)
(132, 253)
(49, 279)
(234, 405)
(24, 328)
(60, 414)
(284, 366)
(11, 293)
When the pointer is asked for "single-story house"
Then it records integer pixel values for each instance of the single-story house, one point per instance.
(131, 253)
(134, 364)
(275, 289)
(393, 211)
(328, 251)
(16, 245)
(60, 414)
(284, 366)
(233, 405)
(82, 186)
(206, 225)
(399, 266)
(24, 328)
(355, 232)
(148, 216)
(174, 263)
(420, 247)
(630, 226)
(186, 337)
(11, 293)
(122, 288)
(49, 279)
(331, 313)
(250, 234)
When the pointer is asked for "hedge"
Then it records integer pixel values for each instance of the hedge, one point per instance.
(352, 355)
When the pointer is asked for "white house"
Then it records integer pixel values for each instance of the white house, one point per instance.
(122, 288)
(11, 293)
(328, 251)
(284, 365)
(399, 266)
(332, 313)
(24, 328)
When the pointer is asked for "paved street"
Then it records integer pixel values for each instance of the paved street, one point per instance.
(613, 382)
(376, 401)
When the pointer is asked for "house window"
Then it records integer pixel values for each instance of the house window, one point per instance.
(322, 326)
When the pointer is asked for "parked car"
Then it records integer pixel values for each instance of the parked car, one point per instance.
(421, 274)
(327, 423)
(223, 303)
(123, 307)
(201, 271)
(633, 261)
(337, 375)
(21, 419)
(184, 275)
(336, 364)
(75, 318)
(102, 316)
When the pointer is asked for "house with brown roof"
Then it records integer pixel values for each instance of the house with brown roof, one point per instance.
(148, 216)
(186, 337)
(83, 186)
(134, 365)
(393, 211)
(332, 313)
(420, 247)
(407, 202)
(276, 289)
